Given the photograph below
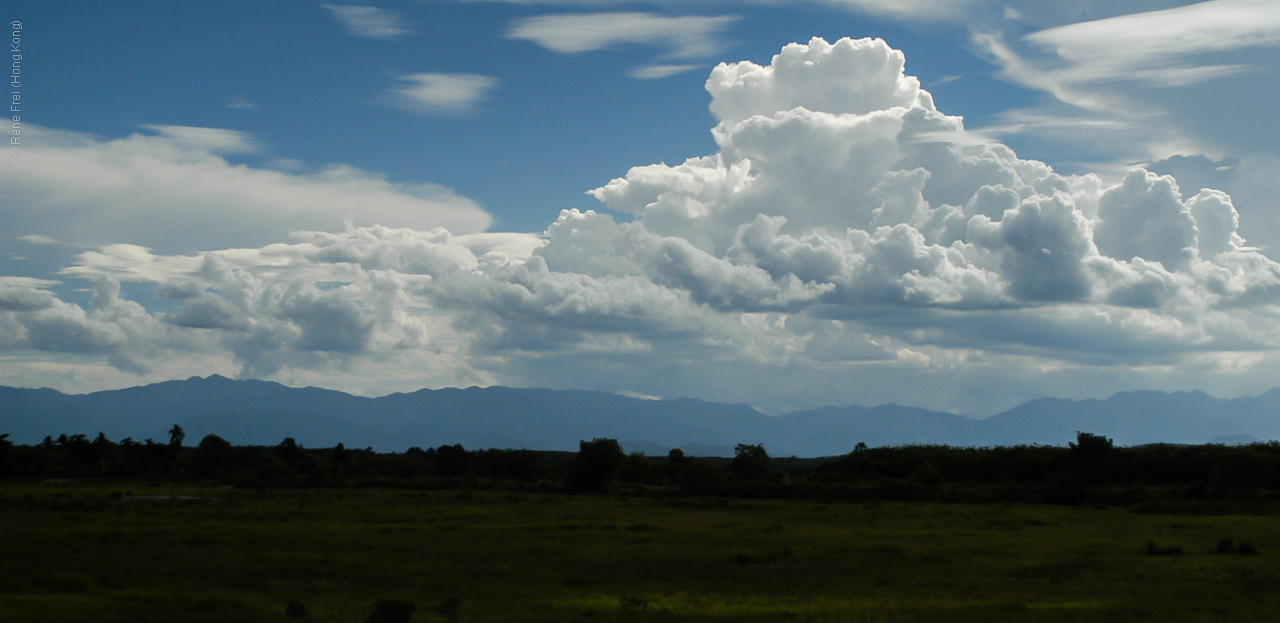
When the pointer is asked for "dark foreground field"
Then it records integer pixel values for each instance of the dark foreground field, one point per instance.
(76, 552)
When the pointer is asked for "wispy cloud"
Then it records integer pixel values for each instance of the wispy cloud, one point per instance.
(1160, 45)
(914, 9)
(932, 10)
(37, 239)
(238, 102)
(1137, 74)
(683, 37)
(174, 189)
(367, 21)
(656, 72)
(1165, 48)
(213, 140)
(449, 94)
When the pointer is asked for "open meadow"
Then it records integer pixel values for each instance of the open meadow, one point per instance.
(108, 552)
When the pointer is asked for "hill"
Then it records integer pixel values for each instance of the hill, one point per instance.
(263, 413)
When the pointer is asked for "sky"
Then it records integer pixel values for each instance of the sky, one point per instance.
(958, 205)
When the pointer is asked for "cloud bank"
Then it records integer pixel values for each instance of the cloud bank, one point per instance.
(175, 189)
(844, 244)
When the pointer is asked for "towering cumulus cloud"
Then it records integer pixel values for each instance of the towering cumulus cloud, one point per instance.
(847, 243)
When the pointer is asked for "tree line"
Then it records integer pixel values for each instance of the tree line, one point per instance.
(1090, 469)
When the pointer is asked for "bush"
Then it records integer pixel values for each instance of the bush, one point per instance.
(637, 469)
(1156, 550)
(927, 475)
(247, 482)
(296, 609)
(391, 611)
(632, 604)
(449, 608)
(701, 478)
(1228, 546)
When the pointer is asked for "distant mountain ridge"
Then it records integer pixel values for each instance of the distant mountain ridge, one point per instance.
(263, 413)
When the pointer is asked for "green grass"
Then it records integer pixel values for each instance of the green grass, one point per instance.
(71, 553)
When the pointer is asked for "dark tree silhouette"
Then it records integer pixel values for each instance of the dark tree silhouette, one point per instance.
(339, 455)
(1089, 447)
(214, 456)
(750, 462)
(101, 453)
(595, 466)
(452, 460)
(176, 435)
(214, 445)
(290, 451)
(1088, 455)
(6, 456)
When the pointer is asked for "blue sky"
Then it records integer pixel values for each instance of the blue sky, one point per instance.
(308, 88)
(369, 197)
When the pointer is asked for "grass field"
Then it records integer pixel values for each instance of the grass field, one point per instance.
(75, 552)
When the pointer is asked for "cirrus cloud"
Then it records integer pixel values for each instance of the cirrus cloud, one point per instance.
(683, 37)
(367, 21)
(434, 94)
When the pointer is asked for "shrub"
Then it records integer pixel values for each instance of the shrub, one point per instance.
(449, 608)
(296, 609)
(1198, 490)
(391, 611)
(637, 469)
(1156, 550)
(247, 482)
(927, 475)
(1229, 546)
(632, 604)
(701, 478)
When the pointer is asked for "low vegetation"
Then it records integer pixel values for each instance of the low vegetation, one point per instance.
(105, 531)
(1089, 470)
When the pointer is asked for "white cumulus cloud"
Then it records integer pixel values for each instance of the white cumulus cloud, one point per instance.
(836, 248)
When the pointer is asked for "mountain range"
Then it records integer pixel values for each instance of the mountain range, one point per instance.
(264, 413)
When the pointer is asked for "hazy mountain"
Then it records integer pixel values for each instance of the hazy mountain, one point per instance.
(1132, 418)
(260, 412)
